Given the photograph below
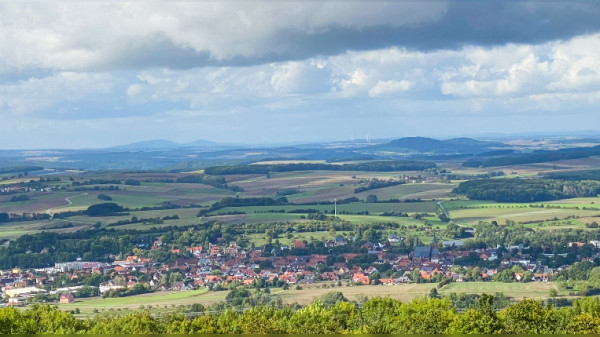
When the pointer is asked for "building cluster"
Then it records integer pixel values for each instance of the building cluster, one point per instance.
(223, 264)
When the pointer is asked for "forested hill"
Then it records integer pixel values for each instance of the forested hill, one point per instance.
(526, 190)
(430, 145)
(378, 166)
(535, 157)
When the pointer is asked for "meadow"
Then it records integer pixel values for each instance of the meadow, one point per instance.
(304, 191)
(160, 301)
(571, 212)
(168, 301)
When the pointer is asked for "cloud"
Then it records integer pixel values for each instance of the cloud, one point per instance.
(383, 68)
(521, 70)
(115, 36)
(58, 94)
(389, 87)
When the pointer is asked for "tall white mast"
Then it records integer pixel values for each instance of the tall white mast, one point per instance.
(335, 207)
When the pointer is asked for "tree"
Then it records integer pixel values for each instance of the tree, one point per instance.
(433, 316)
(109, 208)
(313, 319)
(482, 320)
(377, 315)
(331, 298)
(530, 317)
(371, 198)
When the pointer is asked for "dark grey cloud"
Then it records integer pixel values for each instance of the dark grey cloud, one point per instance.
(181, 36)
(485, 24)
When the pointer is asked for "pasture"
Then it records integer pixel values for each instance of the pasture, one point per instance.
(547, 213)
(537, 290)
(159, 301)
(168, 301)
(355, 207)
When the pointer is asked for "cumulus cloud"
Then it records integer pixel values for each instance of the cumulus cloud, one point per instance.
(76, 36)
(367, 67)
(389, 87)
(518, 70)
(109, 36)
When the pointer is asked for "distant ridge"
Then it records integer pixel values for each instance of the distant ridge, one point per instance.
(430, 145)
(147, 145)
(161, 144)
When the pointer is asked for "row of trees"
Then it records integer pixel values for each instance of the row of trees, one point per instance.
(373, 166)
(526, 190)
(375, 316)
(535, 157)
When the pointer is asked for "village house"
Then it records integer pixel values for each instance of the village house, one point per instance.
(66, 298)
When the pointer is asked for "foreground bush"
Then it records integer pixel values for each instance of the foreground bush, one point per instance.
(377, 315)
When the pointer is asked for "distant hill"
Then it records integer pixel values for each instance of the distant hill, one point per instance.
(201, 143)
(463, 141)
(430, 145)
(161, 144)
(541, 156)
(157, 144)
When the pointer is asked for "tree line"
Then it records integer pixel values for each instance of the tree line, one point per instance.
(374, 166)
(376, 316)
(541, 156)
(577, 175)
(526, 190)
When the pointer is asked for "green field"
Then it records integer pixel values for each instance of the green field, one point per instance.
(159, 301)
(168, 301)
(12, 230)
(539, 290)
(371, 219)
(411, 191)
(355, 207)
(473, 211)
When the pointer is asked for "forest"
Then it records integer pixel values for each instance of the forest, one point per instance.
(576, 175)
(526, 190)
(372, 166)
(540, 156)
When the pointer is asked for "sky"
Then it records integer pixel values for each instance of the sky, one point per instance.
(91, 75)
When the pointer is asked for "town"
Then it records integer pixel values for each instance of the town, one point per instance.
(223, 265)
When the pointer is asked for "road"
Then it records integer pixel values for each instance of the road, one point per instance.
(443, 209)
(68, 200)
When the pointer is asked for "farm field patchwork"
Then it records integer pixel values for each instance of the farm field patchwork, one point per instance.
(473, 211)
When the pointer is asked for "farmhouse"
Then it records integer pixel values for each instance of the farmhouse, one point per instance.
(66, 298)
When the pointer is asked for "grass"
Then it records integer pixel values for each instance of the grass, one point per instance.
(372, 208)
(539, 290)
(165, 301)
(156, 300)
(411, 191)
(12, 230)
(372, 219)
(527, 214)
(409, 292)
(168, 301)
(260, 239)
(473, 211)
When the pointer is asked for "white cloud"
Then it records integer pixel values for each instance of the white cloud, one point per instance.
(513, 70)
(65, 88)
(83, 36)
(376, 87)
(389, 87)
